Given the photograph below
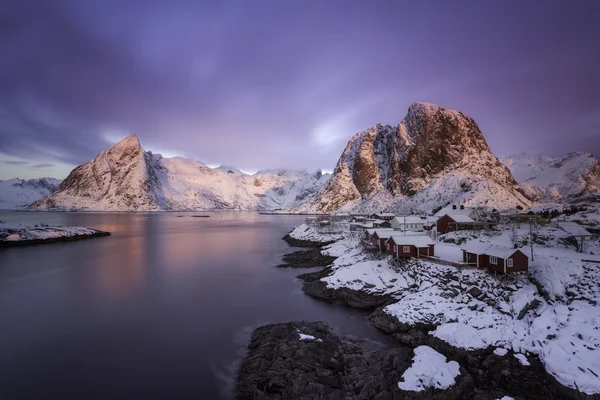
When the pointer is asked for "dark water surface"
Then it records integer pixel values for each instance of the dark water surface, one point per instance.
(163, 308)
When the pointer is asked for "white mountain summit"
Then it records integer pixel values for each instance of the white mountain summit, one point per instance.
(127, 178)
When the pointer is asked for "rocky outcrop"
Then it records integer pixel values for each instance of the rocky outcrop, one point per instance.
(281, 365)
(314, 287)
(433, 157)
(306, 259)
(490, 370)
(307, 360)
(304, 242)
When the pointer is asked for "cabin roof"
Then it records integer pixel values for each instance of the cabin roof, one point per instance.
(384, 214)
(461, 218)
(412, 240)
(410, 219)
(573, 228)
(490, 250)
(384, 233)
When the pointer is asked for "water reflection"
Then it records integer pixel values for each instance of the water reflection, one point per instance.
(159, 304)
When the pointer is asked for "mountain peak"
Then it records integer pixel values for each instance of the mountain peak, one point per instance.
(131, 142)
(432, 151)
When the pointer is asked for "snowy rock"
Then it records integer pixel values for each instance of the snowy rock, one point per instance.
(12, 235)
(433, 157)
(429, 369)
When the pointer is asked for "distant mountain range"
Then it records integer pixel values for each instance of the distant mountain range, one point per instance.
(432, 158)
(19, 193)
(574, 178)
(128, 178)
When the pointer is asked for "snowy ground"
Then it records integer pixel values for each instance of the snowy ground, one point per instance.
(314, 234)
(552, 313)
(16, 233)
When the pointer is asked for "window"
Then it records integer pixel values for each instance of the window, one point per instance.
(406, 249)
(493, 260)
(389, 246)
(509, 263)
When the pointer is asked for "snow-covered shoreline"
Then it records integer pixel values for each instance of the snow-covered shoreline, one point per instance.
(12, 235)
(552, 314)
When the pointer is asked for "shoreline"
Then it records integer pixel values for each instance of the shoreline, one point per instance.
(6, 244)
(486, 371)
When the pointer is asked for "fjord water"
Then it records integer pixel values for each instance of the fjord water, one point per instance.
(162, 308)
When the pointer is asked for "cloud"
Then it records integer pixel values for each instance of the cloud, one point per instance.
(41, 166)
(284, 84)
(12, 162)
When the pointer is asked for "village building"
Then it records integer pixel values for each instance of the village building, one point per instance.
(460, 218)
(413, 223)
(358, 218)
(383, 216)
(403, 246)
(495, 258)
(376, 238)
(380, 223)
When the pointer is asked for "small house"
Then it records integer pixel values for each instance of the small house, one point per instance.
(412, 223)
(372, 237)
(496, 258)
(383, 216)
(380, 237)
(453, 222)
(403, 246)
(358, 218)
(380, 223)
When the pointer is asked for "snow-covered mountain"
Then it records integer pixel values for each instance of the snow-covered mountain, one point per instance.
(572, 178)
(433, 157)
(127, 178)
(19, 193)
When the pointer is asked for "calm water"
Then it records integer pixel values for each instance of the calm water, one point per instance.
(163, 308)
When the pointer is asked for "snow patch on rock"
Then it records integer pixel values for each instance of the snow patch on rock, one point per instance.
(429, 370)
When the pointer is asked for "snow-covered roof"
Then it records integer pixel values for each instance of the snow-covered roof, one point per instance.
(409, 219)
(373, 230)
(449, 209)
(412, 240)
(384, 214)
(490, 250)
(462, 218)
(573, 228)
(384, 233)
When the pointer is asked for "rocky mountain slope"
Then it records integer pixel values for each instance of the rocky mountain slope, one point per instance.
(574, 178)
(433, 157)
(19, 193)
(127, 178)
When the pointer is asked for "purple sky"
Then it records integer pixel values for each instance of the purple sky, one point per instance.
(285, 84)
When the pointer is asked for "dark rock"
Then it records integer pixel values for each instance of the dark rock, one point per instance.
(530, 306)
(306, 259)
(354, 298)
(305, 243)
(335, 367)
(475, 291)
